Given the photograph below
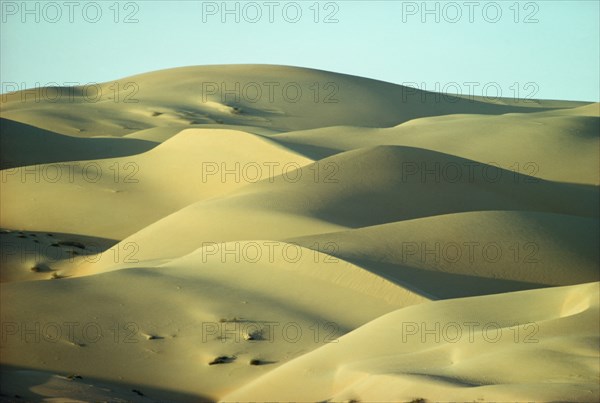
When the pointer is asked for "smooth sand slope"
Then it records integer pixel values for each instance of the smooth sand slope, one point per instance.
(167, 240)
(547, 352)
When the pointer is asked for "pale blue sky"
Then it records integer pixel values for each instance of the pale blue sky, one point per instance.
(556, 57)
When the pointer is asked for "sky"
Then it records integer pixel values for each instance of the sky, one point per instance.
(517, 49)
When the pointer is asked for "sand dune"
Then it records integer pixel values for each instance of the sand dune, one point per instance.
(394, 358)
(189, 305)
(146, 186)
(356, 189)
(166, 240)
(24, 145)
(277, 97)
(475, 253)
(532, 144)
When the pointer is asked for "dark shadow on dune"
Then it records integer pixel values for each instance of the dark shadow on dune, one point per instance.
(81, 244)
(441, 285)
(40, 251)
(448, 380)
(308, 150)
(16, 384)
(23, 145)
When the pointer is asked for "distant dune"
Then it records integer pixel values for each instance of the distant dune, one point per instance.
(271, 233)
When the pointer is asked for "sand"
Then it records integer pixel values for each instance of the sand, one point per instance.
(175, 241)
